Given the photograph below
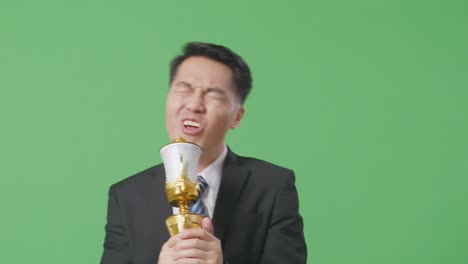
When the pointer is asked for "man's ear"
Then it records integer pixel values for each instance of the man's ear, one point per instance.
(239, 115)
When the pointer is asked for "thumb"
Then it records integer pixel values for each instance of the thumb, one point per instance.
(207, 225)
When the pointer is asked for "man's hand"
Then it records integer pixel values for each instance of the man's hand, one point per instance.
(193, 246)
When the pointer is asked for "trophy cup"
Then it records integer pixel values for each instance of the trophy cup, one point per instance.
(180, 160)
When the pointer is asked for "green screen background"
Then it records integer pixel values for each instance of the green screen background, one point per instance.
(365, 100)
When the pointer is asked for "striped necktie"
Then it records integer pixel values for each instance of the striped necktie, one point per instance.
(198, 207)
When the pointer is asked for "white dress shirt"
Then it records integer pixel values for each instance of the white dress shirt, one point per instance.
(212, 175)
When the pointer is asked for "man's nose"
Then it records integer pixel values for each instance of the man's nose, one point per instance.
(196, 103)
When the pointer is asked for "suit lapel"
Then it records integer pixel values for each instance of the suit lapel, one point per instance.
(232, 182)
(158, 203)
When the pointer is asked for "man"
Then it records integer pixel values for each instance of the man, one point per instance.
(251, 205)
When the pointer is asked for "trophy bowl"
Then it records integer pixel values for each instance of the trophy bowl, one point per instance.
(180, 160)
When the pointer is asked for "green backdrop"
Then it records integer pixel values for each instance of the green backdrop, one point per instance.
(365, 100)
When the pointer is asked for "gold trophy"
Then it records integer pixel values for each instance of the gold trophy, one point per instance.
(180, 160)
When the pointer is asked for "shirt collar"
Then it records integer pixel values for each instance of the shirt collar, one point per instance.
(213, 172)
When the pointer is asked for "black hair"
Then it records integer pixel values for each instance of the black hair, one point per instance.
(240, 69)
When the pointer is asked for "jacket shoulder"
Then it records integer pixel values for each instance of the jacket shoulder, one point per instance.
(142, 178)
(262, 164)
(266, 171)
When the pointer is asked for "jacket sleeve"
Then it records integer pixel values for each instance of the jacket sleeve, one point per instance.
(285, 238)
(116, 246)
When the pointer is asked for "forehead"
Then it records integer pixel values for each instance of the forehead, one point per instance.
(204, 72)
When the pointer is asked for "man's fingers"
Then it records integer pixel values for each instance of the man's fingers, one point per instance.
(195, 245)
(207, 225)
(188, 261)
(192, 243)
(197, 233)
(172, 241)
(190, 253)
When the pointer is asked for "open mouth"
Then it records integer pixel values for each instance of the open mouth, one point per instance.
(191, 127)
(191, 124)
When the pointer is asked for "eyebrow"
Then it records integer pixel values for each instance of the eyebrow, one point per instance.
(184, 84)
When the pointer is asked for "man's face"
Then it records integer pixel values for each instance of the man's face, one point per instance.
(202, 104)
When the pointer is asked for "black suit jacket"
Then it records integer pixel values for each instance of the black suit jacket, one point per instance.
(256, 216)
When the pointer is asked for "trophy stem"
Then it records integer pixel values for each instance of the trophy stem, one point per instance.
(184, 209)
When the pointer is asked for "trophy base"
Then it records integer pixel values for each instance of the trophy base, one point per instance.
(180, 222)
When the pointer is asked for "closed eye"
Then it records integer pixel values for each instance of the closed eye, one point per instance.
(183, 87)
(216, 93)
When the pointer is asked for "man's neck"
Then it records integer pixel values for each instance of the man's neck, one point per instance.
(209, 157)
